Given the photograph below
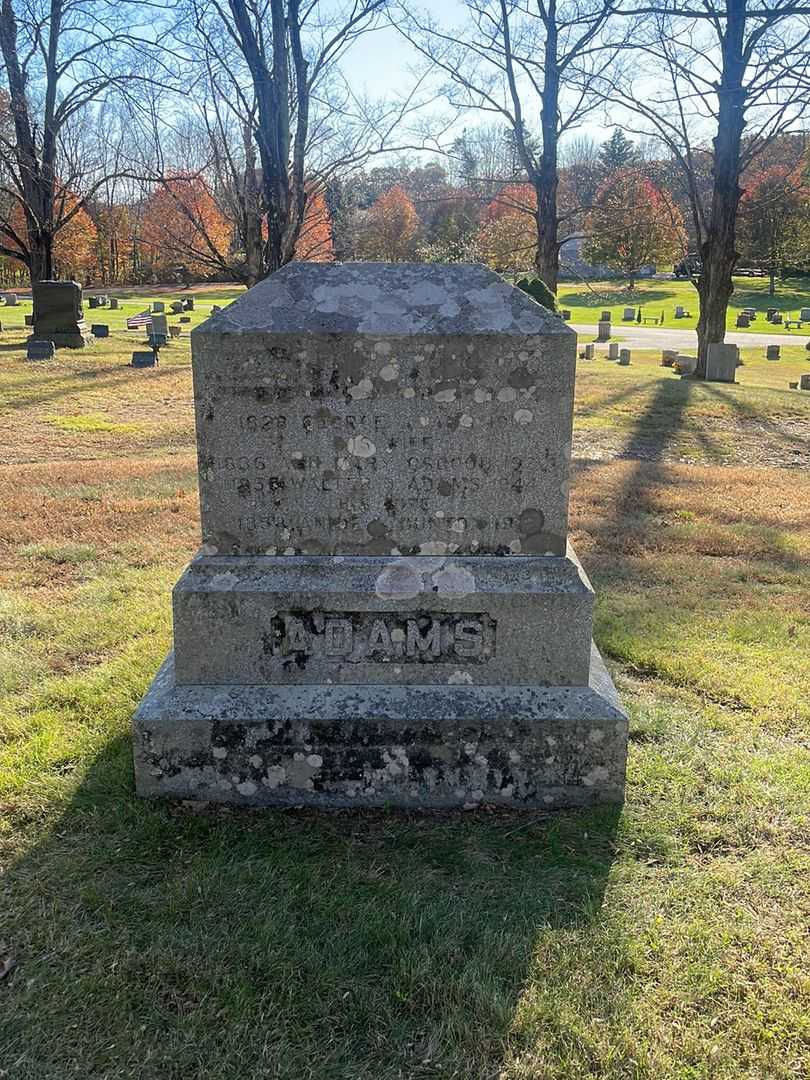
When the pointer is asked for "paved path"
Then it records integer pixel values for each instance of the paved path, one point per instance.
(651, 337)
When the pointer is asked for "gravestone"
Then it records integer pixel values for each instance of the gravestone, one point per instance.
(566, 313)
(613, 350)
(776, 318)
(113, 303)
(772, 352)
(680, 312)
(721, 363)
(590, 351)
(686, 365)
(185, 318)
(605, 316)
(143, 358)
(93, 302)
(804, 382)
(804, 314)
(160, 325)
(174, 331)
(40, 350)
(29, 320)
(158, 306)
(177, 306)
(11, 299)
(603, 329)
(385, 608)
(100, 330)
(668, 357)
(624, 357)
(743, 321)
(629, 314)
(58, 314)
(189, 303)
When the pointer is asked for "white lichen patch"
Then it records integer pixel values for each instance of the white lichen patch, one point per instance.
(247, 787)
(398, 581)
(220, 752)
(445, 395)
(364, 389)
(523, 416)
(361, 447)
(481, 395)
(507, 393)
(433, 547)
(460, 678)
(409, 392)
(597, 775)
(389, 372)
(466, 421)
(454, 581)
(315, 761)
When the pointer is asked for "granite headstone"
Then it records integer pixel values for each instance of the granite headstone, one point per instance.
(385, 609)
(58, 314)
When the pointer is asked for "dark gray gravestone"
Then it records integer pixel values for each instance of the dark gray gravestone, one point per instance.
(100, 330)
(174, 331)
(58, 314)
(29, 320)
(93, 302)
(385, 608)
(189, 303)
(40, 350)
(113, 303)
(158, 306)
(185, 318)
(143, 359)
(177, 306)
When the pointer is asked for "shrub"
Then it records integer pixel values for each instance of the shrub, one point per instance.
(537, 289)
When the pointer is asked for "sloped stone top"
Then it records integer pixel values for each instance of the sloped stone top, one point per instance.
(384, 298)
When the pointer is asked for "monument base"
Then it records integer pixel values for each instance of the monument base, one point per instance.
(376, 745)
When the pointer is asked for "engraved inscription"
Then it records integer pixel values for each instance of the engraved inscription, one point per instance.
(380, 637)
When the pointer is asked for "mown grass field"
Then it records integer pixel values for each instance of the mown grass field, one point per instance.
(654, 297)
(665, 942)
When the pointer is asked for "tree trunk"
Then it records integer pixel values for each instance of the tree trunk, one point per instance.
(546, 178)
(40, 260)
(718, 250)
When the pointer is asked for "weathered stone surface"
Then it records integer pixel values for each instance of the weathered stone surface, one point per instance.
(58, 314)
(384, 610)
(383, 409)
(514, 620)
(337, 746)
(721, 363)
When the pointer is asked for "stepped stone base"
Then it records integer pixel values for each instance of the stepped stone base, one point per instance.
(372, 745)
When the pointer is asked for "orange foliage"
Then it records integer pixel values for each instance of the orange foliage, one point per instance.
(183, 226)
(74, 245)
(507, 238)
(314, 242)
(390, 228)
(114, 242)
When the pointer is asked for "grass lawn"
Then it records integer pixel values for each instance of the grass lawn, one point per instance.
(587, 301)
(159, 942)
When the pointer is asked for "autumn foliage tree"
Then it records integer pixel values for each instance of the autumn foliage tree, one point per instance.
(774, 225)
(73, 251)
(633, 224)
(507, 237)
(182, 226)
(390, 227)
(314, 243)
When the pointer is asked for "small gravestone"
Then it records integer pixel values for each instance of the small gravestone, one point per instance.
(189, 303)
(177, 306)
(668, 357)
(613, 350)
(804, 314)
(743, 321)
(11, 299)
(721, 363)
(159, 331)
(680, 312)
(113, 303)
(58, 314)
(174, 331)
(685, 365)
(102, 300)
(100, 330)
(566, 313)
(629, 314)
(603, 330)
(93, 302)
(143, 358)
(624, 357)
(605, 316)
(385, 609)
(772, 352)
(40, 350)
(158, 306)
(185, 318)
(804, 382)
(590, 351)
(769, 314)
(776, 318)
(29, 320)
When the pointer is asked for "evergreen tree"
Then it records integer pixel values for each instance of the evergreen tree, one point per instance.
(617, 152)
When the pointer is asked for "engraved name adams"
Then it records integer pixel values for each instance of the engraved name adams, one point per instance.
(375, 637)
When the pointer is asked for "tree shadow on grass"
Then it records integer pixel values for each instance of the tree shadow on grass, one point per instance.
(155, 942)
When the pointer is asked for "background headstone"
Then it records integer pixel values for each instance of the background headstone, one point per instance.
(177, 306)
(629, 314)
(58, 314)
(100, 330)
(143, 358)
(590, 351)
(721, 363)
(113, 303)
(385, 608)
(29, 320)
(772, 352)
(40, 350)
(804, 382)
(93, 302)
(668, 357)
(624, 357)
(189, 303)
(11, 299)
(603, 330)
(185, 318)
(174, 331)
(613, 350)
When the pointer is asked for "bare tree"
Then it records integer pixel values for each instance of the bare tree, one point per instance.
(61, 58)
(737, 72)
(528, 62)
